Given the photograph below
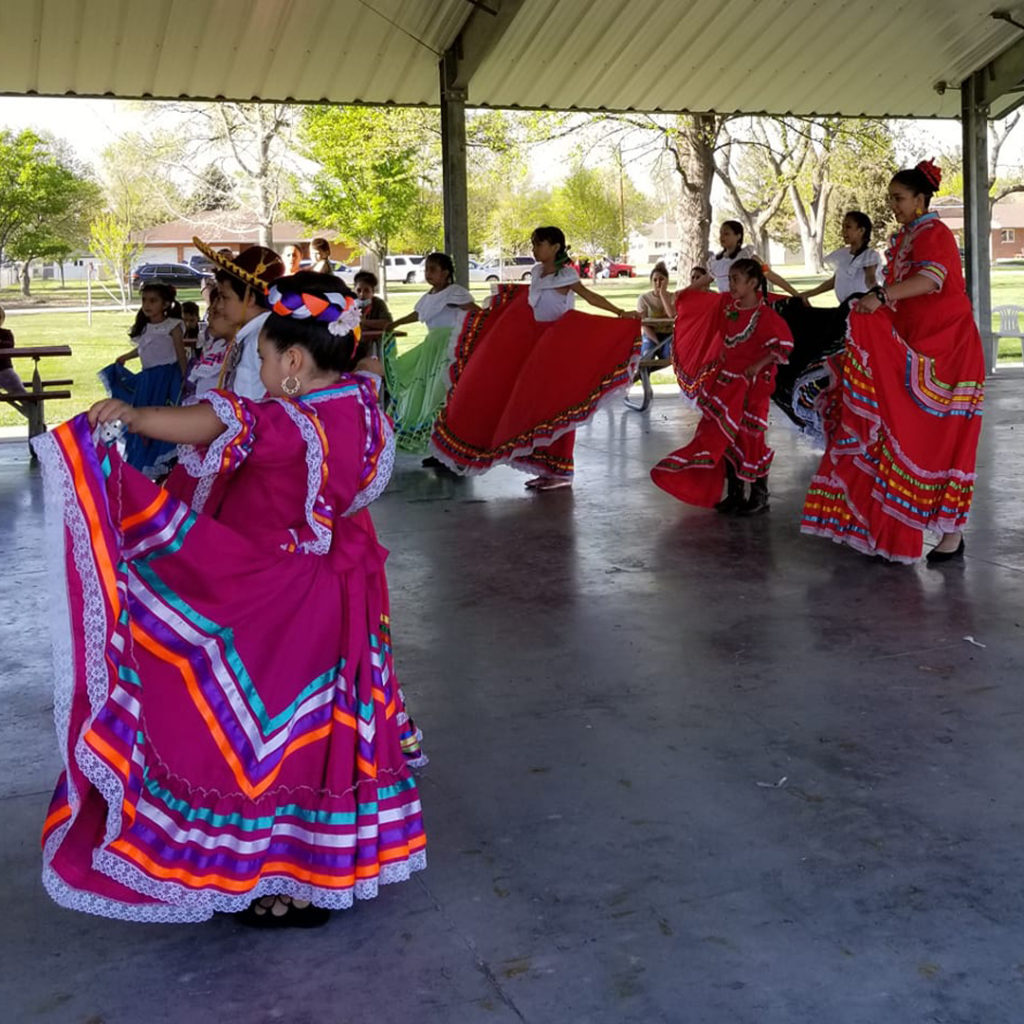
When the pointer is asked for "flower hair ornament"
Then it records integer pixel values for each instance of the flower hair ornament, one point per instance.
(932, 173)
(339, 312)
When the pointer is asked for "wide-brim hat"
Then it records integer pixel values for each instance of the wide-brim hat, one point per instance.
(257, 266)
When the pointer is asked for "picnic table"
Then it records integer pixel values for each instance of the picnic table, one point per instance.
(651, 364)
(31, 403)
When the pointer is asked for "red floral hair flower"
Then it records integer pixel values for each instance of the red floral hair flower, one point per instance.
(932, 172)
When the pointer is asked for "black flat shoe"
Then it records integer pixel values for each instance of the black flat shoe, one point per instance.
(934, 556)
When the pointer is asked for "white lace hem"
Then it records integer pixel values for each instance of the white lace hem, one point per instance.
(522, 452)
(194, 906)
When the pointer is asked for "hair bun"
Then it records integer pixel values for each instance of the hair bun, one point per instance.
(932, 172)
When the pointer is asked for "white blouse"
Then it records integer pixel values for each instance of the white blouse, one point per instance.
(547, 303)
(849, 270)
(718, 266)
(156, 346)
(442, 309)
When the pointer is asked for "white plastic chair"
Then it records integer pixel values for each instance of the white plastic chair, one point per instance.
(1009, 324)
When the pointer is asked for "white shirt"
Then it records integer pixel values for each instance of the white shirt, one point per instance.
(547, 303)
(718, 266)
(442, 309)
(156, 346)
(849, 270)
(247, 375)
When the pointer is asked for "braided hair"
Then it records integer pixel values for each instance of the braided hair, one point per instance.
(319, 313)
(863, 221)
(168, 294)
(554, 236)
(752, 271)
(737, 229)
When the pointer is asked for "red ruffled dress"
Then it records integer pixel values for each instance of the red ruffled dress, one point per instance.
(532, 379)
(714, 344)
(902, 412)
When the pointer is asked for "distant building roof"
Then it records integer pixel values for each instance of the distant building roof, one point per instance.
(225, 227)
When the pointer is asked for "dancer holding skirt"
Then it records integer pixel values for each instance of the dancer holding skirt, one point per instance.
(902, 410)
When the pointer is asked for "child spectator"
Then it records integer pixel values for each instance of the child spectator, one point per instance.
(10, 382)
(376, 315)
(157, 334)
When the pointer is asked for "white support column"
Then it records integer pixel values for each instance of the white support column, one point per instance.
(977, 219)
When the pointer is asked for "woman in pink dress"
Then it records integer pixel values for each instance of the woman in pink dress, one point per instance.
(232, 730)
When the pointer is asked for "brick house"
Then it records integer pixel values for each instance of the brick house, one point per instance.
(1006, 241)
(172, 242)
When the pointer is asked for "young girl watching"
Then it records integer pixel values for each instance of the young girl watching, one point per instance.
(727, 348)
(158, 335)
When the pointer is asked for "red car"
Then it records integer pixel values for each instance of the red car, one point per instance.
(621, 270)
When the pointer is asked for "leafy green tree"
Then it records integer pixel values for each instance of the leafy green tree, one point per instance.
(113, 242)
(213, 190)
(370, 172)
(587, 209)
(45, 198)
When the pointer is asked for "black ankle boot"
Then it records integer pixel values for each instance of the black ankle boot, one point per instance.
(733, 500)
(758, 500)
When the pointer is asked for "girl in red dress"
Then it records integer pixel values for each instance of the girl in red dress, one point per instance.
(538, 370)
(902, 412)
(726, 349)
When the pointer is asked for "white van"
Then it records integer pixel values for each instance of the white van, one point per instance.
(403, 268)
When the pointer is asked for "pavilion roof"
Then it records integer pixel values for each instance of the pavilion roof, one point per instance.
(773, 56)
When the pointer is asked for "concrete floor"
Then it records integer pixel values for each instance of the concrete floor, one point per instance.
(604, 677)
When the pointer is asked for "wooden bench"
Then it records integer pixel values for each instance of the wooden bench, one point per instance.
(31, 403)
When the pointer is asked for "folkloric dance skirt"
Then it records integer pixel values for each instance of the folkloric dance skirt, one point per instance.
(521, 387)
(902, 425)
(220, 742)
(417, 385)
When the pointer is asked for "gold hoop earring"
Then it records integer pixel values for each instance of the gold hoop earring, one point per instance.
(918, 212)
(291, 386)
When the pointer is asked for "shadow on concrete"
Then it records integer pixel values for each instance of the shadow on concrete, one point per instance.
(604, 678)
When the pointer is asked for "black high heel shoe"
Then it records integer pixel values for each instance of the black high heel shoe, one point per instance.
(934, 556)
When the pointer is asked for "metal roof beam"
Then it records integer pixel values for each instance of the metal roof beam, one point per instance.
(480, 35)
(1002, 75)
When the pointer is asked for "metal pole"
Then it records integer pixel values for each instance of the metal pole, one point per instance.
(453, 164)
(977, 218)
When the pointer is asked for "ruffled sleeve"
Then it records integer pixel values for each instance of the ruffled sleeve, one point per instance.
(458, 296)
(933, 250)
(232, 447)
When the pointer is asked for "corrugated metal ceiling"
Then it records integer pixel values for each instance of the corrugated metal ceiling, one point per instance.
(803, 56)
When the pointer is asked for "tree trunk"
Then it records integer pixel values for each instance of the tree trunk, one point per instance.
(693, 146)
(26, 280)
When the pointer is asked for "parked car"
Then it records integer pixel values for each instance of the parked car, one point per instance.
(514, 268)
(621, 269)
(181, 275)
(403, 267)
(202, 263)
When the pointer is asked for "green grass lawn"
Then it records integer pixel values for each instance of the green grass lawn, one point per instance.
(97, 345)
